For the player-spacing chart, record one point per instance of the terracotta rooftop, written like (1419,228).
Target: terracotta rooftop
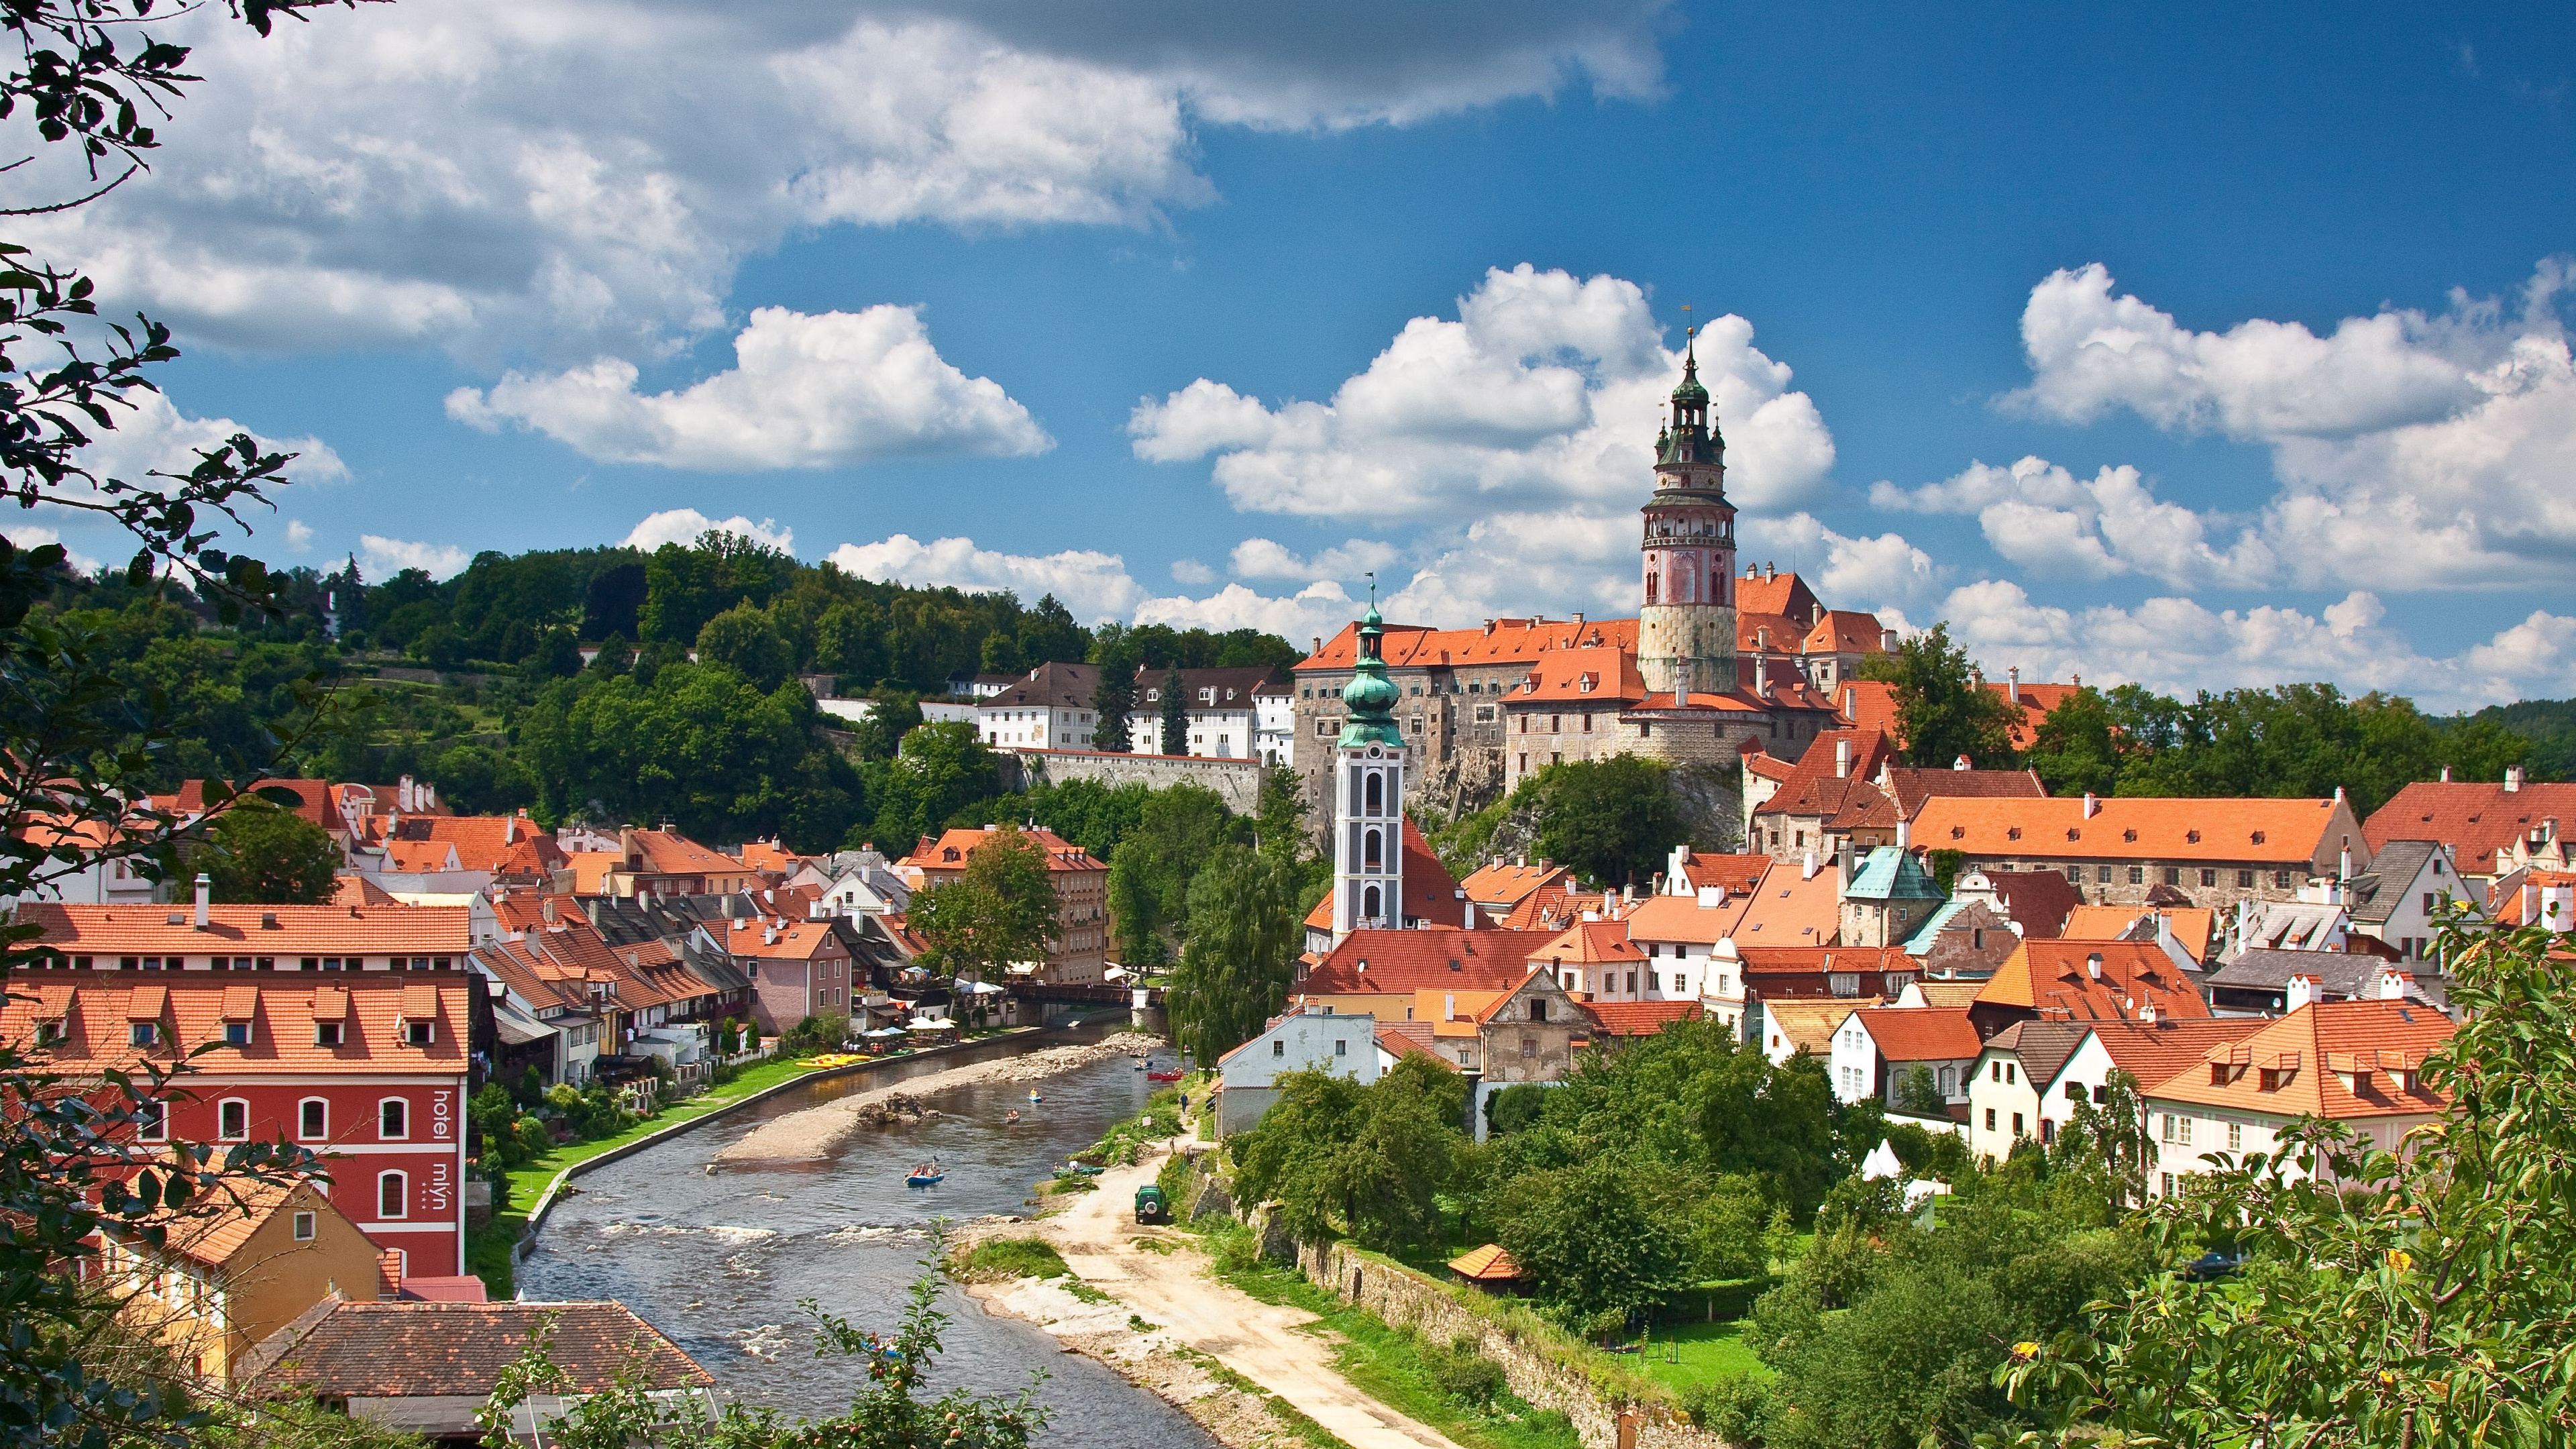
(166,931)
(2153,1053)
(1488,1264)
(1601,677)
(1789,911)
(1504,884)
(2287,833)
(442,1350)
(1738,873)
(1590,943)
(1430,893)
(1911,786)
(1640,1018)
(1501,641)
(950,850)
(1790,1027)
(1395,961)
(2474,818)
(2337,1059)
(93,1012)
(2056,979)
(1921,1033)
(1683,920)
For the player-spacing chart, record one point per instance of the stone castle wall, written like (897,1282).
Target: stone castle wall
(1406,1299)
(1237,782)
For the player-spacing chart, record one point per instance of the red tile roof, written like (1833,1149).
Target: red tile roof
(334,930)
(1845,632)
(1788,911)
(1911,786)
(1502,641)
(1640,1018)
(1737,873)
(1402,962)
(950,851)
(1815,787)
(483,842)
(2290,832)
(1683,920)
(2055,979)
(1488,1264)
(1867,704)
(2474,818)
(1603,677)
(1921,1033)
(2038,901)
(1756,593)
(407,1350)
(2337,1059)
(1505,884)
(312,799)
(1590,943)
(192,1009)
(1430,893)
(2154,1053)
(1410,1039)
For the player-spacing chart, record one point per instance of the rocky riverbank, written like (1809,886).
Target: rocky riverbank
(1236,1412)
(812,1133)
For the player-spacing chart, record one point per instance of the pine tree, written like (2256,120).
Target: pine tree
(1176,714)
(1112,701)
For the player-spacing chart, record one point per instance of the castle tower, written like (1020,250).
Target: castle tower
(1686,625)
(1368,796)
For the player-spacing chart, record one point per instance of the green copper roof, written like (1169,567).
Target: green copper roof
(1690,390)
(1370,695)
(1889,873)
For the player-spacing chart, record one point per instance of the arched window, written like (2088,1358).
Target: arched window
(393,1119)
(1651,583)
(1376,793)
(232,1120)
(1369,851)
(313,1119)
(393,1195)
(1371,905)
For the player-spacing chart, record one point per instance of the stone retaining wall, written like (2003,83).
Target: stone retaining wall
(1405,1299)
(1237,782)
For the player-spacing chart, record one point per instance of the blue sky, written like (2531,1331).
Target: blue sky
(2205,353)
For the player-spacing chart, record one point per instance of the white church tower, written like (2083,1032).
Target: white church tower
(1368,796)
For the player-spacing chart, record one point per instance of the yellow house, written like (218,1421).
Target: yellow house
(223,1281)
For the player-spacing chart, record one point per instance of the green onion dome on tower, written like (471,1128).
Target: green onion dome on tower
(1370,696)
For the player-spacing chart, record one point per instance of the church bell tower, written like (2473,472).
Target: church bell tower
(1686,624)
(1368,796)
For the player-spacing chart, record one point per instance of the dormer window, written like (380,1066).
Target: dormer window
(49,1033)
(419,1033)
(326,1033)
(237,1033)
(142,1033)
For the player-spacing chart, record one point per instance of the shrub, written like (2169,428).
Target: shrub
(1731,1407)
(1010,1258)
(1462,1373)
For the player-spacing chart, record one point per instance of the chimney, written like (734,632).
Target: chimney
(2512,779)
(2075,681)
(2338,794)
(2343,867)
(1842,758)
(1762,640)
(2393,984)
(1449,1006)
(2092,805)
(1578,620)
(2093,965)
(2012,684)
(509,830)
(2146,1013)
(1887,640)
(1807,868)
(1711,897)
(1770,570)
(205,897)
(1319,645)
(2446,774)
(1963,763)
(1905,835)
(546,909)
(403,796)
(2302,992)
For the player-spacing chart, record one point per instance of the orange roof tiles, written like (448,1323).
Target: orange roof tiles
(2153,1053)
(1911,787)
(2336,1059)
(2193,926)
(1788,594)
(1737,873)
(1590,943)
(193,1006)
(482,842)
(420,857)
(1683,920)
(1788,911)
(1602,676)
(1550,906)
(2474,818)
(1823,782)
(1409,1039)
(349,888)
(950,850)
(334,930)
(1503,641)
(799,941)
(667,852)
(1409,961)
(1504,884)
(1843,631)
(1488,1264)
(312,799)
(1640,1018)
(2056,980)
(1430,893)
(1921,1033)
(1867,704)
(2289,832)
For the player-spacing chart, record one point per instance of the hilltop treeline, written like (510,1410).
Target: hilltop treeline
(729,746)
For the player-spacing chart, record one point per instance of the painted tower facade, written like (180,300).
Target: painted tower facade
(1368,796)
(1686,626)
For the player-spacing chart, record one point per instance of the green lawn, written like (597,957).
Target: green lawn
(487,1253)
(1684,1354)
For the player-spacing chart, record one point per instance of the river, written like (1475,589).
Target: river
(719,1261)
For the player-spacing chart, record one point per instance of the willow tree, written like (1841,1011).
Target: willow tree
(1240,954)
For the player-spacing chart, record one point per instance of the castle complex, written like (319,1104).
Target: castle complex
(1715,665)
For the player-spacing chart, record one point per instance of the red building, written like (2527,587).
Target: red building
(363,1062)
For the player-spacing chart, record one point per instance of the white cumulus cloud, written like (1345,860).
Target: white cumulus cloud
(384,557)
(299,536)
(1261,558)
(1092,584)
(492,175)
(2041,516)
(807,391)
(1547,391)
(684,526)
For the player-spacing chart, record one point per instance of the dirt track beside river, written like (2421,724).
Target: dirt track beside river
(812,1133)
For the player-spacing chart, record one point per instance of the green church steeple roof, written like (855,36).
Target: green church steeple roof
(1370,696)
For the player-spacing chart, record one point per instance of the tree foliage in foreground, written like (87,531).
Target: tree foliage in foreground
(1000,909)
(266,855)
(1235,969)
(2423,1299)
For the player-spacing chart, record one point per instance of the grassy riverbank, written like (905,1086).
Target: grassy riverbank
(488,1251)
(1459,1394)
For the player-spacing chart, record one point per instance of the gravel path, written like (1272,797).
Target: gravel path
(813,1133)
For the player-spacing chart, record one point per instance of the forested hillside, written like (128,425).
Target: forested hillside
(477,683)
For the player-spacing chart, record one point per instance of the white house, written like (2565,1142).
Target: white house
(854,883)
(1689,941)
(1274,723)
(1877,1048)
(2402,900)
(1313,1038)
(1049,710)
(2358,1063)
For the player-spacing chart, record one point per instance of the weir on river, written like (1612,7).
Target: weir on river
(718,1261)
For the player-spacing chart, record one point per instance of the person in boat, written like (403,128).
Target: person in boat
(1014,1115)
